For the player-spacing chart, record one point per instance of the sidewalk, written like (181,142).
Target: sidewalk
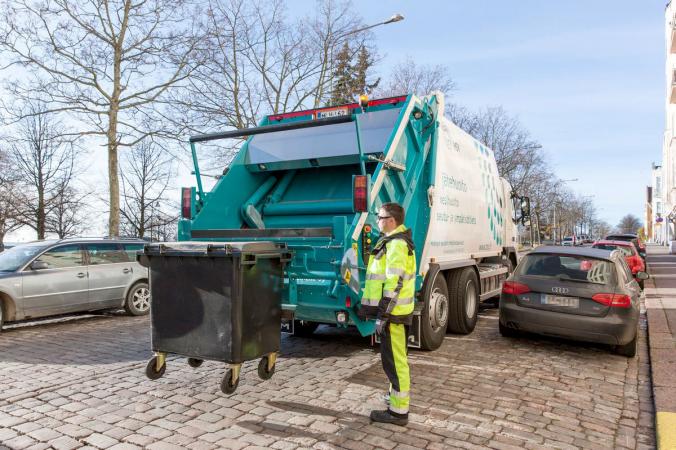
(660,303)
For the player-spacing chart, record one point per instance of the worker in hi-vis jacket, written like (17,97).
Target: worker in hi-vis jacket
(388,294)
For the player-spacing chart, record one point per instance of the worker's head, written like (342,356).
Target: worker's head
(390,216)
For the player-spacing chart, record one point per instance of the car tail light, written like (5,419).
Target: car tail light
(514,288)
(613,300)
(360,193)
(186,203)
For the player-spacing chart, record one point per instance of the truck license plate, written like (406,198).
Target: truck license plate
(335,112)
(555,300)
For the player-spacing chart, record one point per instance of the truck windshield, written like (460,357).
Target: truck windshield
(15,257)
(324,141)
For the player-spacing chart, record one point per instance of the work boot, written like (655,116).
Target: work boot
(388,416)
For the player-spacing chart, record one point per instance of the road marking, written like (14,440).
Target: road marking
(666,430)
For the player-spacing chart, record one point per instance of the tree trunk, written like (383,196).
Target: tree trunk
(114,215)
(40,222)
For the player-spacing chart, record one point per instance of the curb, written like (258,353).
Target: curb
(662,363)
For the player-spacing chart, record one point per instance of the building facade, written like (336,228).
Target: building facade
(666,191)
(655,220)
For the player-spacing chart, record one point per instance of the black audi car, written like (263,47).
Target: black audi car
(578,293)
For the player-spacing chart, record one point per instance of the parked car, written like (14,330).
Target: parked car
(568,241)
(583,294)
(638,242)
(630,253)
(46,278)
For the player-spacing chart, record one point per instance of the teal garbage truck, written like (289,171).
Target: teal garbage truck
(314,180)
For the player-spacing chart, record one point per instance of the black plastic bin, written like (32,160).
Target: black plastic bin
(217,301)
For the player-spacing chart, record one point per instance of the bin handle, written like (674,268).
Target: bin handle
(252,258)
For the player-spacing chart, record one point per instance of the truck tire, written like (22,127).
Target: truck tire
(463,289)
(434,315)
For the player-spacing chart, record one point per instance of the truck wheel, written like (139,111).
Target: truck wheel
(463,300)
(434,315)
(138,300)
(303,328)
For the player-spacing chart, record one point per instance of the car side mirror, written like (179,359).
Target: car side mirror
(39,265)
(642,275)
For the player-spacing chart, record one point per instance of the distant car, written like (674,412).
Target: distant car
(630,253)
(638,242)
(46,278)
(583,294)
(568,241)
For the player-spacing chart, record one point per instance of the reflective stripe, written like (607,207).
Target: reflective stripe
(370,301)
(393,271)
(399,394)
(398,410)
(376,276)
(380,253)
(400,301)
(409,276)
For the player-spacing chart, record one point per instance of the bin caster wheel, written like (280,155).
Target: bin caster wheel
(194,362)
(263,369)
(151,369)
(227,385)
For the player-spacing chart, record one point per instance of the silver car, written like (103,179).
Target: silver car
(46,278)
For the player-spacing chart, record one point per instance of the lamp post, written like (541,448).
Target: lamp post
(555,203)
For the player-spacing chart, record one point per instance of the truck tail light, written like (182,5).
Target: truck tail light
(186,203)
(348,302)
(613,300)
(360,193)
(514,288)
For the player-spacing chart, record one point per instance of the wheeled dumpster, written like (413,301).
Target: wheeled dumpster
(218,301)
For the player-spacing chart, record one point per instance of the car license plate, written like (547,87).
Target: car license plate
(555,300)
(335,112)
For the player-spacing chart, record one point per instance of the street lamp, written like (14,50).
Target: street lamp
(394,18)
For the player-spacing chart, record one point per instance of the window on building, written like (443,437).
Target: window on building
(658,187)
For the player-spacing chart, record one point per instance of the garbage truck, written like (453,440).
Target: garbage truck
(314,180)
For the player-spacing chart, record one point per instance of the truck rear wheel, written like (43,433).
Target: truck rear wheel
(463,289)
(434,315)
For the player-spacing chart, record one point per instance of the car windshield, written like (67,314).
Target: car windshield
(567,267)
(568,239)
(625,250)
(15,257)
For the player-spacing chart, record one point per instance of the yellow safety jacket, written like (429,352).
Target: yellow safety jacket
(390,276)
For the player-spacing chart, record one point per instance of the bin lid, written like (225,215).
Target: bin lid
(211,248)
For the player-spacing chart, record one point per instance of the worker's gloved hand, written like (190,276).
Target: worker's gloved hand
(380,326)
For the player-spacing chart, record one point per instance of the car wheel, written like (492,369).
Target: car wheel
(505,331)
(463,290)
(628,349)
(434,315)
(138,300)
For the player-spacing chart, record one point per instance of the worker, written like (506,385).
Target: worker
(388,294)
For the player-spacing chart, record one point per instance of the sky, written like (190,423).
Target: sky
(585,78)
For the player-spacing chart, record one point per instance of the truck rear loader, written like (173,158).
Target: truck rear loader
(314,181)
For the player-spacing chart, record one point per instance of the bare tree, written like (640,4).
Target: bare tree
(10,199)
(104,62)
(44,162)
(147,173)
(629,224)
(259,62)
(409,77)
(66,218)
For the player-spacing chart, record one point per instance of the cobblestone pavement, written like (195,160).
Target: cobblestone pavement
(81,384)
